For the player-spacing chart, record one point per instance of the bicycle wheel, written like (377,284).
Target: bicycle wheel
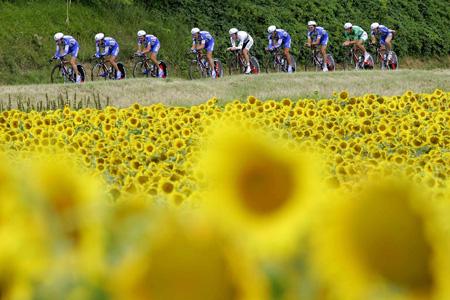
(122,70)
(293,63)
(233,67)
(163,66)
(254,65)
(196,71)
(368,63)
(140,70)
(218,67)
(330,63)
(392,63)
(57,75)
(309,64)
(99,72)
(349,63)
(82,72)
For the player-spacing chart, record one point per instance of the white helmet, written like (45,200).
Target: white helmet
(233,31)
(348,25)
(374,26)
(141,33)
(271,29)
(195,30)
(58,36)
(312,23)
(99,36)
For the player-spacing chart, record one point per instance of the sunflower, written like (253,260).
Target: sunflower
(189,260)
(257,186)
(384,240)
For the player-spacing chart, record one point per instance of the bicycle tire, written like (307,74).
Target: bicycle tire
(56,76)
(331,65)
(254,65)
(232,65)
(96,70)
(140,70)
(392,63)
(195,71)
(369,63)
(164,68)
(293,63)
(218,68)
(122,70)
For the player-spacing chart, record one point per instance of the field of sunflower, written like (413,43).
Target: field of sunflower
(341,198)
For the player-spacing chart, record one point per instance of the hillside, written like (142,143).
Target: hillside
(28,27)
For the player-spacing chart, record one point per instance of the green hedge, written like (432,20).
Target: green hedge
(28,27)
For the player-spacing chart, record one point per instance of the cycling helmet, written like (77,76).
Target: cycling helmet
(99,36)
(141,33)
(348,25)
(312,23)
(271,29)
(233,31)
(58,36)
(374,26)
(195,30)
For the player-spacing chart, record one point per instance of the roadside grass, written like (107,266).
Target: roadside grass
(264,86)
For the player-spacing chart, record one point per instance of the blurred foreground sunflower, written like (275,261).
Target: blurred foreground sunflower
(386,240)
(257,187)
(188,260)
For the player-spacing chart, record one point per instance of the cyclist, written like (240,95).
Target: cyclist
(245,43)
(110,48)
(67,45)
(356,36)
(385,35)
(280,38)
(204,40)
(148,43)
(318,36)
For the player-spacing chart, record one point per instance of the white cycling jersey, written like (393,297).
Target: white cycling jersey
(243,38)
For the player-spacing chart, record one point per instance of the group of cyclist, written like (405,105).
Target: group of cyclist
(148,44)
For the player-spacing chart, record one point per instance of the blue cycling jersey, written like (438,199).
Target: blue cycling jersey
(318,33)
(150,39)
(281,36)
(108,45)
(70,45)
(383,31)
(204,37)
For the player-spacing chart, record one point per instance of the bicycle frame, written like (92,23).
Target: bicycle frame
(105,66)
(62,63)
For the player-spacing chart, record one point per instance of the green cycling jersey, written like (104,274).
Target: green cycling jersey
(356,33)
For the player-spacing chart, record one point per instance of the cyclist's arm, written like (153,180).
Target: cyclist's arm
(147,50)
(57,51)
(373,38)
(270,46)
(309,41)
(317,41)
(105,51)
(66,51)
(201,45)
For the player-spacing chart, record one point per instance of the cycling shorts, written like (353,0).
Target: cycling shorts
(73,51)
(248,43)
(155,47)
(209,45)
(286,42)
(324,39)
(114,51)
(383,38)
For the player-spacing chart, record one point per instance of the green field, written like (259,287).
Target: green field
(264,86)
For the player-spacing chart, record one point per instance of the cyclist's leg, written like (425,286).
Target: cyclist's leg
(323,51)
(209,47)
(113,53)
(73,59)
(360,43)
(246,50)
(153,57)
(383,46)
(287,48)
(388,42)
